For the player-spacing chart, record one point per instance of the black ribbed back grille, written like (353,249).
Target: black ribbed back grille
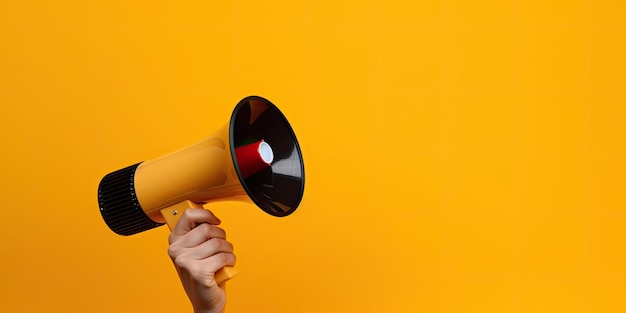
(119,206)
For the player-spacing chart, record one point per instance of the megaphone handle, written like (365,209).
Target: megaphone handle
(173,213)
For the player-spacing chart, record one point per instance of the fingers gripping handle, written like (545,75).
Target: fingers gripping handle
(173,213)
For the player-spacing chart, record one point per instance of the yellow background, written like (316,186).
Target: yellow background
(461,156)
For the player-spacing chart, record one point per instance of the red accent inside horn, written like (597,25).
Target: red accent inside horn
(249,159)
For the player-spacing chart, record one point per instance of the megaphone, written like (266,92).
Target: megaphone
(253,158)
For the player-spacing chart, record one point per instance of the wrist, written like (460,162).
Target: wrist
(218,309)
(208,311)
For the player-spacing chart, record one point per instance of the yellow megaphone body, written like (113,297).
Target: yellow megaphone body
(254,158)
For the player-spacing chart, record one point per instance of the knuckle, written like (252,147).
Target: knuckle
(227,258)
(172,251)
(223,258)
(188,213)
(217,232)
(172,238)
(214,244)
(211,231)
(206,228)
(225,246)
(181,262)
(222,232)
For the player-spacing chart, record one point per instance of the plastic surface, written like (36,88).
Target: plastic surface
(209,170)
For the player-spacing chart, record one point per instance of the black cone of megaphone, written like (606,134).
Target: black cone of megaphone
(134,199)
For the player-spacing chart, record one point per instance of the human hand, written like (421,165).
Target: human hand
(198,248)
